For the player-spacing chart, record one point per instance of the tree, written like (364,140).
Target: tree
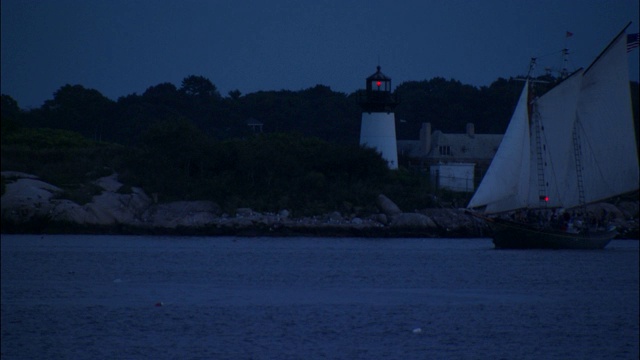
(161,92)
(10,114)
(235,94)
(76,108)
(199,87)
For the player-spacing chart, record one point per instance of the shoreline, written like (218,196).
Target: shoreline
(320,230)
(31,206)
(236,229)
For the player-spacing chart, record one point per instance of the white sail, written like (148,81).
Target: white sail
(506,183)
(556,112)
(605,121)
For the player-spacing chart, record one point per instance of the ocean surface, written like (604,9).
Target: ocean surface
(148,297)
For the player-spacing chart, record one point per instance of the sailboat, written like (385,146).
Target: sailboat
(573,146)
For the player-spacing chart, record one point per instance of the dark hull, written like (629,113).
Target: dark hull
(511,235)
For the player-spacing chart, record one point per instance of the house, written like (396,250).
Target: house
(467,155)
(255,125)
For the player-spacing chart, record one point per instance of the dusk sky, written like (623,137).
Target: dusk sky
(120,47)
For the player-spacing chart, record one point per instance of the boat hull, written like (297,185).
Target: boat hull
(510,235)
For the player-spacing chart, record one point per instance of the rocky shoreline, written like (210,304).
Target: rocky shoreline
(30,205)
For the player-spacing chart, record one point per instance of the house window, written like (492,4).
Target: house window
(444,149)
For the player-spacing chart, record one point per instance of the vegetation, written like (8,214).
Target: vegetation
(191,143)
(267,172)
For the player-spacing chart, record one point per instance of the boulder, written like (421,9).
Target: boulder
(244,212)
(284,214)
(109,183)
(605,209)
(630,209)
(387,206)
(68,211)
(107,208)
(26,198)
(380,218)
(335,217)
(412,220)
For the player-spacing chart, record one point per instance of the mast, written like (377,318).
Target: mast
(577,153)
(534,118)
(565,60)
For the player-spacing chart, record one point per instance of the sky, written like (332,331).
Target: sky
(121,47)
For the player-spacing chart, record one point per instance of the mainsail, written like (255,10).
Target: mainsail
(577,146)
(556,111)
(605,121)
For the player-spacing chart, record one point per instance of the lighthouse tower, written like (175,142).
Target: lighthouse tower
(378,128)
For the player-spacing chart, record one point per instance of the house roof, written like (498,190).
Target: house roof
(253,122)
(378,75)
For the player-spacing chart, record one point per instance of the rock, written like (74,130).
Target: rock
(412,220)
(107,209)
(380,218)
(244,212)
(630,209)
(26,198)
(284,214)
(17,174)
(456,221)
(109,183)
(182,213)
(605,208)
(335,217)
(387,206)
(67,211)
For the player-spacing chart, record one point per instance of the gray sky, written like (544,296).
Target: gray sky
(121,47)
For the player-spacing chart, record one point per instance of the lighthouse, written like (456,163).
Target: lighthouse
(378,127)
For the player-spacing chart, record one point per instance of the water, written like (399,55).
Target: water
(126,297)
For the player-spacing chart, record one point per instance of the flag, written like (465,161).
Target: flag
(632,41)
(569,34)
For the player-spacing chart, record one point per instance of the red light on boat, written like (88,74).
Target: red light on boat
(544,198)
(379,83)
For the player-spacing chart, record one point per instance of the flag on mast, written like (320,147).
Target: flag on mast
(632,41)
(569,34)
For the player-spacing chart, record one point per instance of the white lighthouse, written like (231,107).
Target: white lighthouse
(378,128)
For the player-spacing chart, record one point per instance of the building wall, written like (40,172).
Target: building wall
(378,131)
(454,176)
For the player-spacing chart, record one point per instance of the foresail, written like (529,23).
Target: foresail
(506,182)
(605,124)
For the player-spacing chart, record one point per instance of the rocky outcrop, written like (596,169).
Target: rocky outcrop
(28,201)
(27,198)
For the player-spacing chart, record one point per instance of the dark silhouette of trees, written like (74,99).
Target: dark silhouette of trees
(11,113)
(199,87)
(79,109)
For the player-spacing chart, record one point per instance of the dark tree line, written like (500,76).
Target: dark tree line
(317,112)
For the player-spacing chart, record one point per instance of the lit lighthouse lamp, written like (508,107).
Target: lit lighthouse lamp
(378,126)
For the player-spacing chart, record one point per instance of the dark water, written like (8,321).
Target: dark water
(94,297)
